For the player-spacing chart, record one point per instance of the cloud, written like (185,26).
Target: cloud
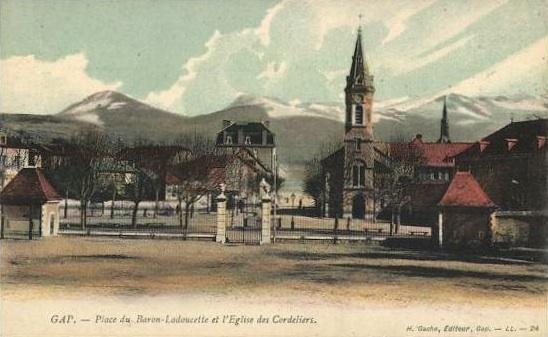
(30,85)
(397,24)
(168,99)
(301,50)
(263,31)
(418,62)
(523,71)
(452,24)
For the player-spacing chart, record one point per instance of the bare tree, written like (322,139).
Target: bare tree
(79,165)
(195,179)
(197,175)
(404,159)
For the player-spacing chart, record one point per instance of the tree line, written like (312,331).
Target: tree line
(94,167)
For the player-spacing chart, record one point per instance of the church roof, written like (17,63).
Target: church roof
(28,186)
(465,191)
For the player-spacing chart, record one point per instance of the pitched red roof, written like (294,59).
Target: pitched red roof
(28,186)
(440,154)
(464,190)
(430,154)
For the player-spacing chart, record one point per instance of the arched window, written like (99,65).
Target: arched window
(358,174)
(359,115)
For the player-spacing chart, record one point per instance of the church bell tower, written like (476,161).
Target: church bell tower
(359,148)
(359,93)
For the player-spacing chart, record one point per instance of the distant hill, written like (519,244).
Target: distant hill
(301,128)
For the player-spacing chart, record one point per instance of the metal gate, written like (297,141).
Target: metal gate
(244,224)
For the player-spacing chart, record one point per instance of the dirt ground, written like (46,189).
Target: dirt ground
(341,273)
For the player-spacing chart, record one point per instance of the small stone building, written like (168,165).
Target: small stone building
(465,213)
(29,206)
(459,212)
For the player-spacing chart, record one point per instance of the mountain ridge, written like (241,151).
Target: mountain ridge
(301,128)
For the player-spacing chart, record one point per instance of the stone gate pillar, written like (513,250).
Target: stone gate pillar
(266,218)
(221,217)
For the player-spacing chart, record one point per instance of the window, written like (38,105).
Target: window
(32,159)
(247,140)
(358,174)
(359,114)
(358,144)
(17,160)
(3,139)
(228,140)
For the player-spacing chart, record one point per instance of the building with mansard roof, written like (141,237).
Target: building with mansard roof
(511,165)
(254,136)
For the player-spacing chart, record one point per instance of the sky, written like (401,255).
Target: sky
(194,57)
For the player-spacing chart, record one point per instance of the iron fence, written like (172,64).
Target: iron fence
(306,221)
(244,224)
(148,219)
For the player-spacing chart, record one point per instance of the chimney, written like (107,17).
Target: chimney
(510,143)
(226,123)
(483,144)
(266,124)
(541,140)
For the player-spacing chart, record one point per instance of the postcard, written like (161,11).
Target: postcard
(273,168)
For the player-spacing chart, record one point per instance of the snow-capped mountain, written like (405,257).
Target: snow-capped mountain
(277,108)
(399,109)
(300,127)
(103,106)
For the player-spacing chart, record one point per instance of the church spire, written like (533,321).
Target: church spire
(359,72)
(444,128)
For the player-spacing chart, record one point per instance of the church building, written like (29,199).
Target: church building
(349,171)
(355,175)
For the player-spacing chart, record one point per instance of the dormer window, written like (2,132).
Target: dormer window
(228,140)
(247,140)
(510,143)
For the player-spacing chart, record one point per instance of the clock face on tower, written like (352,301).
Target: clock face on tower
(358,98)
